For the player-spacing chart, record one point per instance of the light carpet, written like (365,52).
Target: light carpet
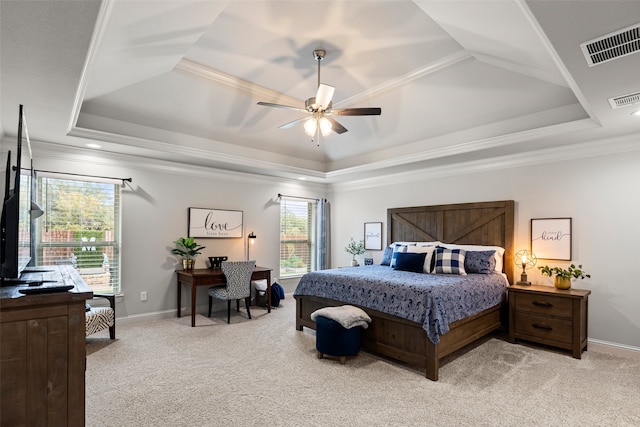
(264,372)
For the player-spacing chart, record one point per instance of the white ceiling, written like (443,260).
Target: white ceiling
(179,80)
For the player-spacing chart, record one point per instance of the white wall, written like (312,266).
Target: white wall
(600,194)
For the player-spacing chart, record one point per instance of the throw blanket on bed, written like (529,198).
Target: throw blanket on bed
(347,315)
(433,300)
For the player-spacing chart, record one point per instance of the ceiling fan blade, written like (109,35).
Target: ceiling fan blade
(335,126)
(366,111)
(287,107)
(293,123)
(324,96)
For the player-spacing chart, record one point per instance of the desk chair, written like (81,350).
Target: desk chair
(99,318)
(238,277)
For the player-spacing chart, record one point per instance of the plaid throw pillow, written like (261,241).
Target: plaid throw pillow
(450,261)
(397,248)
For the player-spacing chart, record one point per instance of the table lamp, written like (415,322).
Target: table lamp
(525,259)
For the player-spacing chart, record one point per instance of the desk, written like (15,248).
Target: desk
(214,277)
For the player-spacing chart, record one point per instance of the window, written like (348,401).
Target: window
(81,227)
(298,230)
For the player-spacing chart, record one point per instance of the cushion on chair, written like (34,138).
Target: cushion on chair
(99,318)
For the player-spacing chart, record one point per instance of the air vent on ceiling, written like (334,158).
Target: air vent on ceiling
(624,100)
(612,46)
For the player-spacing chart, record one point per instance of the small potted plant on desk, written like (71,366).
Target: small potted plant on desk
(187,248)
(564,275)
(355,248)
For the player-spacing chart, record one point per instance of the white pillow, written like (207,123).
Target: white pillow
(429,250)
(499,255)
(260,285)
(402,243)
(434,243)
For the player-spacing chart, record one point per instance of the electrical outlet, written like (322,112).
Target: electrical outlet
(143,296)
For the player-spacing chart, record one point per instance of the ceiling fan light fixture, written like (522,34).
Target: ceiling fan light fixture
(325,126)
(310,126)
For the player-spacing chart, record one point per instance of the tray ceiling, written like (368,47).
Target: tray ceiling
(456,81)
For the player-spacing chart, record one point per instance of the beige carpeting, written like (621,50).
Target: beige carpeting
(264,372)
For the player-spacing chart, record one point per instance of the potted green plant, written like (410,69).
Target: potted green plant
(564,275)
(355,248)
(187,248)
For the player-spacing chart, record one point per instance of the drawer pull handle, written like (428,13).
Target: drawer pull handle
(544,327)
(542,304)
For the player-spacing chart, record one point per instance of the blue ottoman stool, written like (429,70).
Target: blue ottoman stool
(334,340)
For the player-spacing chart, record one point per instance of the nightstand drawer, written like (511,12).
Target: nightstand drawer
(544,304)
(543,328)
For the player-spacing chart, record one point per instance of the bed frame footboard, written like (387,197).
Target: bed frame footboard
(404,340)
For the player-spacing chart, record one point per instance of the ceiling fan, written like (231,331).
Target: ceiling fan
(318,109)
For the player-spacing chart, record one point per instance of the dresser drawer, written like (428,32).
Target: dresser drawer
(543,328)
(544,304)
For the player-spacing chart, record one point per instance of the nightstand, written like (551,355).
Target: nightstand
(550,316)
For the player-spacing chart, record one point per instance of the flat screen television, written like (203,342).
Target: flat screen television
(15,223)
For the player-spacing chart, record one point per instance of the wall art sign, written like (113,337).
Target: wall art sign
(373,236)
(551,238)
(215,223)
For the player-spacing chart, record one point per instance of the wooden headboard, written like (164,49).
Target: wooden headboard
(484,223)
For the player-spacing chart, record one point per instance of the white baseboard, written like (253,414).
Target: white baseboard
(147,317)
(165,314)
(615,349)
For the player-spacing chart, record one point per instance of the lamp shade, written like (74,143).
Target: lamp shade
(310,126)
(525,259)
(251,238)
(325,126)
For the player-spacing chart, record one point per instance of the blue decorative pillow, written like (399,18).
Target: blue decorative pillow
(482,262)
(397,248)
(450,261)
(409,261)
(386,256)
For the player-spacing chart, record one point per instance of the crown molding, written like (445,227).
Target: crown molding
(465,147)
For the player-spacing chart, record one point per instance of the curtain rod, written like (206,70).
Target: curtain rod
(296,197)
(86,176)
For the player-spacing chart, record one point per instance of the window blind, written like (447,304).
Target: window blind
(81,227)
(298,225)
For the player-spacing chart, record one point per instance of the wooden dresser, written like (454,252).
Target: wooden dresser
(550,316)
(43,355)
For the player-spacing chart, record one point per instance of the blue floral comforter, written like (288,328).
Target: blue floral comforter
(433,300)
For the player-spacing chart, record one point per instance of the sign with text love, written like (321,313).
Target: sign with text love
(215,223)
(551,238)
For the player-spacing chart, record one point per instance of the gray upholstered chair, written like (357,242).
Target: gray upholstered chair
(238,277)
(99,318)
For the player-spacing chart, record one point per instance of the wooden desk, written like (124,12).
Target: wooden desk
(214,277)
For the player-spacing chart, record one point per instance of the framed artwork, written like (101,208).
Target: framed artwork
(215,223)
(551,238)
(373,236)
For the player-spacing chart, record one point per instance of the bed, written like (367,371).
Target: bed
(407,339)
